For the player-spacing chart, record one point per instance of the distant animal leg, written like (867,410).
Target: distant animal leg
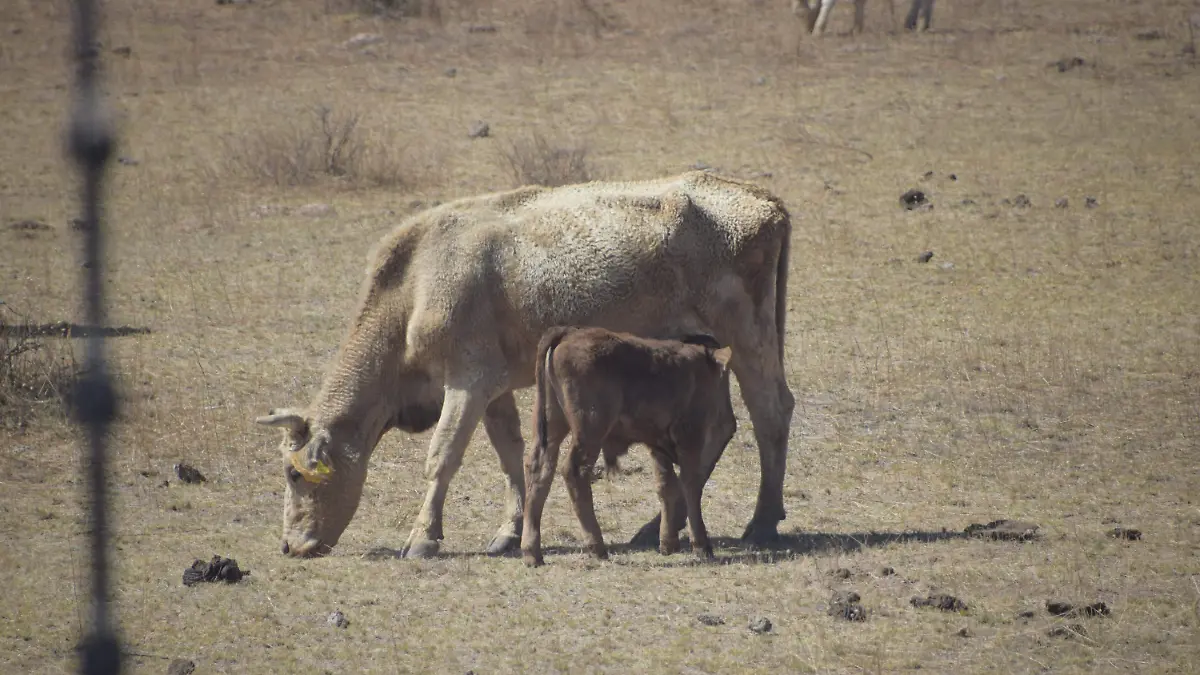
(503,426)
(823,16)
(582,458)
(461,412)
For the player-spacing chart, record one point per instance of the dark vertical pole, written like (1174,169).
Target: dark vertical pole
(90,141)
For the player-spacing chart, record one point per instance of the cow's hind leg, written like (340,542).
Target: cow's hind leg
(503,426)
(461,413)
(579,486)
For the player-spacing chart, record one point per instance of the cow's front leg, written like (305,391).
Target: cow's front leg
(461,412)
(503,426)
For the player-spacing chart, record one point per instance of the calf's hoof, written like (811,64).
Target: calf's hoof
(503,543)
(760,534)
(704,552)
(421,547)
(599,551)
(668,547)
(533,559)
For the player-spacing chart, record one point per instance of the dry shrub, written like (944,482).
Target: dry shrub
(37,374)
(321,145)
(536,160)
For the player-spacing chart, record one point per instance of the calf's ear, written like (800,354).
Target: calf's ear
(722,356)
(290,420)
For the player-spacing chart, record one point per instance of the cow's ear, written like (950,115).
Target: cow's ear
(722,357)
(291,421)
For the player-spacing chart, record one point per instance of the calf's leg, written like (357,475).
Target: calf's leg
(540,463)
(580,460)
(693,480)
(673,508)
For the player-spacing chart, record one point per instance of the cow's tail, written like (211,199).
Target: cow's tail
(543,388)
(781,279)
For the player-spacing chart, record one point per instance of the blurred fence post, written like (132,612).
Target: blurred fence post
(90,142)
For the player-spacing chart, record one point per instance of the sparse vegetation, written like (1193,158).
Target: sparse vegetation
(1042,365)
(538,160)
(36,373)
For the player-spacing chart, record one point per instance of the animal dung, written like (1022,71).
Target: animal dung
(845,605)
(946,603)
(1004,530)
(217,569)
(913,199)
(189,474)
(760,625)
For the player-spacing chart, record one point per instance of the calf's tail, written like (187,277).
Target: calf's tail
(542,372)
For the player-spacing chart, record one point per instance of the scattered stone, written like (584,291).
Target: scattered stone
(479,129)
(123,51)
(28,225)
(1004,530)
(1125,533)
(1066,609)
(1064,65)
(887,571)
(845,605)
(946,603)
(760,80)
(760,625)
(481,28)
(316,210)
(964,633)
(217,569)
(840,573)
(710,620)
(189,474)
(1025,614)
(127,161)
(337,619)
(181,667)
(1148,35)
(362,40)
(1074,630)
(1090,202)
(450,72)
(1061,203)
(913,199)
(947,265)
(953,176)
(701,166)
(1021,202)
(925,257)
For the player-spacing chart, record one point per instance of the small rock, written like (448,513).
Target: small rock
(481,28)
(189,474)
(912,199)
(1021,202)
(1026,614)
(362,40)
(762,79)
(1064,65)
(337,619)
(1004,530)
(840,573)
(845,605)
(450,72)
(968,202)
(1061,203)
(946,603)
(925,257)
(947,266)
(963,632)
(1074,630)
(316,210)
(1125,533)
(953,176)
(887,571)
(479,129)
(760,625)
(1090,202)
(710,620)
(1148,35)
(127,161)
(700,166)
(123,51)
(181,667)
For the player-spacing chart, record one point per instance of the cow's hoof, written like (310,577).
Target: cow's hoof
(599,551)
(669,547)
(422,548)
(503,543)
(760,534)
(647,536)
(533,559)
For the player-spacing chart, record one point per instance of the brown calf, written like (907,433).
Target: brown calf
(611,390)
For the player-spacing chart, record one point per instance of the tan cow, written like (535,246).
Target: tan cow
(611,390)
(457,297)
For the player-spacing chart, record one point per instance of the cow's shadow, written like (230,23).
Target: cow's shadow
(729,550)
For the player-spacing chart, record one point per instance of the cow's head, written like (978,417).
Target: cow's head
(325,465)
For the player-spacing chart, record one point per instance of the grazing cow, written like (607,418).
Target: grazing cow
(816,13)
(611,390)
(457,297)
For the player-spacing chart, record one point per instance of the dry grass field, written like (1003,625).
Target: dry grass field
(1044,365)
